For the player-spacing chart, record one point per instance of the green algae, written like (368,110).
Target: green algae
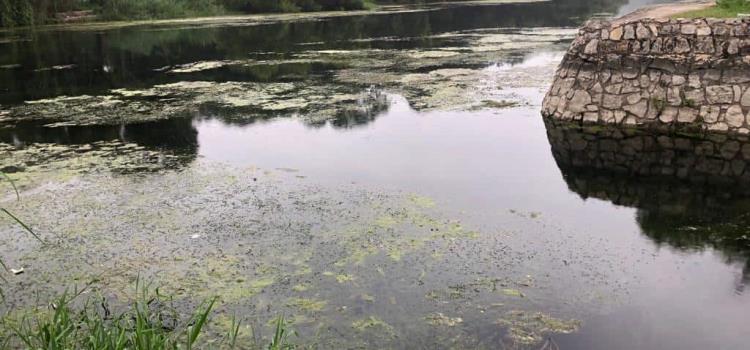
(373,322)
(422,201)
(513,292)
(231,100)
(428,79)
(300,287)
(438,319)
(343,278)
(529,328)
(308,305)
(257,270)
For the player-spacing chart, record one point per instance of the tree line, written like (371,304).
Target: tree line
(30,12)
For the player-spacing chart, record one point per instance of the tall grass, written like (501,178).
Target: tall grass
(149,323)
(146,325)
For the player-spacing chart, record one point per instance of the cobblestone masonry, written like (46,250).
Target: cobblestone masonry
(661,73)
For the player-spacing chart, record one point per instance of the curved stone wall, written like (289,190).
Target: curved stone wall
(668,74)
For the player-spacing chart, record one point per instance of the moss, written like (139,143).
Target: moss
(343,278)
(513,292)
(372,322)
(529,328)
(421,201)
(438,319)
(309,305)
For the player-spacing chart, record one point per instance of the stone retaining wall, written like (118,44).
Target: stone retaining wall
(714,159)
(668,74)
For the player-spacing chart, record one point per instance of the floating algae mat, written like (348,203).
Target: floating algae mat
(275,244)
(381,179)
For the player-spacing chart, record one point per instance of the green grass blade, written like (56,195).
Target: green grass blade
(200,321)
(27,228)
(12,183)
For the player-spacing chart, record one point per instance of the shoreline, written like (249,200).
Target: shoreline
(664,10)
(257,18)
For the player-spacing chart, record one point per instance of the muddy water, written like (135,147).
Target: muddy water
(385,181)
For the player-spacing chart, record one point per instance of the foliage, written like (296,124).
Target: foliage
(151,9)
(147,324)
(150,322)
(15,13)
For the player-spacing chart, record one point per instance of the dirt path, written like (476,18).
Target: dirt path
(666,10)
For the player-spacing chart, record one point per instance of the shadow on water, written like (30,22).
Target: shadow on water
(691,192)
(177,134)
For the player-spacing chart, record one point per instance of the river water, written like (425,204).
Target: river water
(384,180)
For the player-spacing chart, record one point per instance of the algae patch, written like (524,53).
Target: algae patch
(529,328)
(438,319)
(309,305)
(372,322)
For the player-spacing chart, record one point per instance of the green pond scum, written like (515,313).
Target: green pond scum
(370,180)
(333,271)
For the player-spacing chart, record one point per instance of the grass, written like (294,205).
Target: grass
(722,9)
(148,323)
(141,327)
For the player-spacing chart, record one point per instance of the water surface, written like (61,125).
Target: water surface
(384,180)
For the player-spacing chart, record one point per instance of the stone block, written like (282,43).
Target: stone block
(688,29)
(578,102)
(638,109)
(710,114)
(734,116)
(717,94)
(687,115)
(615,34)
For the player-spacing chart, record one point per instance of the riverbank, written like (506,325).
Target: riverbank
(259,18)
(666,10)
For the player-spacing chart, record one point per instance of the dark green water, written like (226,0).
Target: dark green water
(385,180)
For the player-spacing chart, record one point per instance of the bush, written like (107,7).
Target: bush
(16,13)
(155,9)
(27,12)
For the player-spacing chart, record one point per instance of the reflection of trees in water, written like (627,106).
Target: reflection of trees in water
(176,135)
(127,57)
(691,193)
(371,104)
(374,104)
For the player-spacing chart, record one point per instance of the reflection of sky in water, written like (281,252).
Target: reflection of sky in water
(486,163)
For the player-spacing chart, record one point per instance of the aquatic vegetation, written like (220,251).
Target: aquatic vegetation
(373,322)
(281,336)
(199,66)
(233,101)
(438,319)
(143,326)
(513,292)
(422,201)
(343,278)
(300,287)
(309,305)
(35,162)
(530,327)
